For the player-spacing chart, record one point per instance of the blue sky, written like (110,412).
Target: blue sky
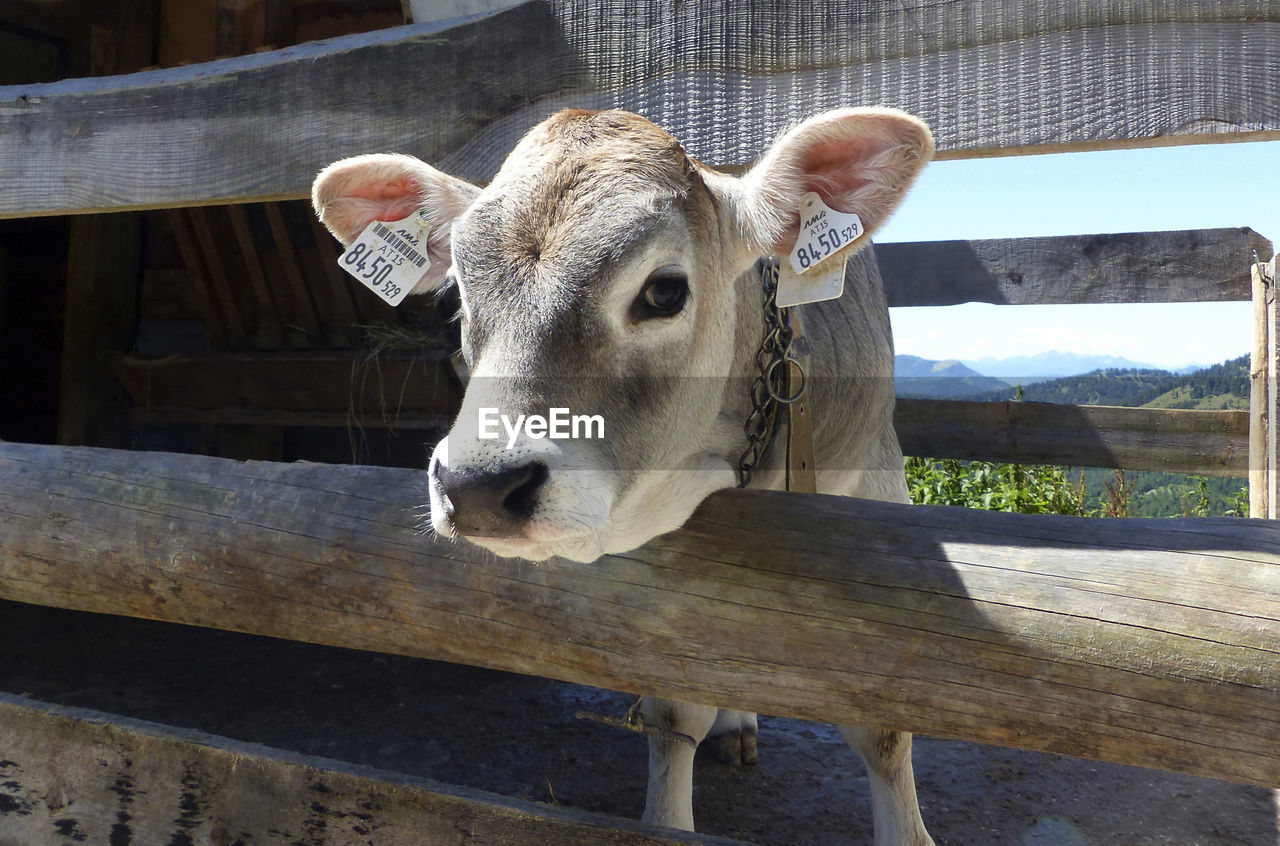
(1197,187)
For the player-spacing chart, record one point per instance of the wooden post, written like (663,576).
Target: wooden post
(100,312)
(1264,362)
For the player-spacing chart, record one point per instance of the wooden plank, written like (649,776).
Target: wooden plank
(241,26)
(1264,489)
(1273,392)
(335,280)
(219,283)
(180,223)
(1149,642)
(1212,443)
(101,308)
(188,31)
(73,775)
(269,331)
(1140,267)
(307,389)
(259,127)
(723,78)
(302,292)
(1259,417)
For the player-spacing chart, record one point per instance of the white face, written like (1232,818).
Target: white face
(614,324)
(599,279)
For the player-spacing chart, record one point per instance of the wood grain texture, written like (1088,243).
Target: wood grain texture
(72,775)
(1140,267)
(1149,642)
(1264,362)
(1213,443)
(262,126)
(991,78)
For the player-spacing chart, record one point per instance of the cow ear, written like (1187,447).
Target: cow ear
(350,194)
(859,161)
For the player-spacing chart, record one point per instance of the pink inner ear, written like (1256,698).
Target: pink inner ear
(832,169)
(394,199)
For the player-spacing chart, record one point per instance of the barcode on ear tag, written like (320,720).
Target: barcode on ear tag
(825,283)
(389,257)
(824,232)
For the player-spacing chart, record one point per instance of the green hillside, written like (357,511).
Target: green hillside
(1098,491)
(1223,385)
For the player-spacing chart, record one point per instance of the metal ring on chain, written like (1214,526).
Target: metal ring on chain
(769,381)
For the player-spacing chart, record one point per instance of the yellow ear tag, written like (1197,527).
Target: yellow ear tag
(390,257)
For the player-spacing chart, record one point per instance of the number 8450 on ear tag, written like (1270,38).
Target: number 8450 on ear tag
(824,234)
(389,257)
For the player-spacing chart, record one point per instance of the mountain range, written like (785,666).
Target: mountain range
(922,377)
(1050,365)
(1223,385)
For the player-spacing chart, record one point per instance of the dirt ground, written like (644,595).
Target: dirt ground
(518,736)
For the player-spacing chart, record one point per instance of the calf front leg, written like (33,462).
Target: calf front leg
(669,800)
(895,811)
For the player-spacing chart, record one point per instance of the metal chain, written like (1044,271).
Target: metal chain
(769,390)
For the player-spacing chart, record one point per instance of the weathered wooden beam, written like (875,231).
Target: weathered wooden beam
(1213,443)
(1140,267)
(1149,642)
(723,78)
(1264,368)
(316,389)
(259,127)
(269,331)
(71,775)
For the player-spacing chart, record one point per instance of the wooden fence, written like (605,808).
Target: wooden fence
(1152,643)
(1146,642)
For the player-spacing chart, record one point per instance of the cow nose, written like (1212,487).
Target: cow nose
(491,502)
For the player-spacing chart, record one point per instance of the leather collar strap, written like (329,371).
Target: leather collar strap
(801,472)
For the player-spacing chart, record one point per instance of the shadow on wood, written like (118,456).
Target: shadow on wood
(1150,642)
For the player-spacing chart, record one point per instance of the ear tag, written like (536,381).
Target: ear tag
(824,283)
(390,257)
(823,233)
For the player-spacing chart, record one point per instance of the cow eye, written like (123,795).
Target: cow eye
(664,295)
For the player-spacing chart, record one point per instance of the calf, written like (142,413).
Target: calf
(605,272)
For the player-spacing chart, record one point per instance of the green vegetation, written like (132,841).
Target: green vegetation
(995,487)
(1079,492)
(1096,492)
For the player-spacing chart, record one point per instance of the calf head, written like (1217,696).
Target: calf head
(605,273)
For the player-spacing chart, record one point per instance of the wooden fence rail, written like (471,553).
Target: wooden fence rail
(723,78)
(1154,643)
(1194,265)
(1211,443)
(71,775)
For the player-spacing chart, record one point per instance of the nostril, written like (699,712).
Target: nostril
(522,496)
(492,502)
